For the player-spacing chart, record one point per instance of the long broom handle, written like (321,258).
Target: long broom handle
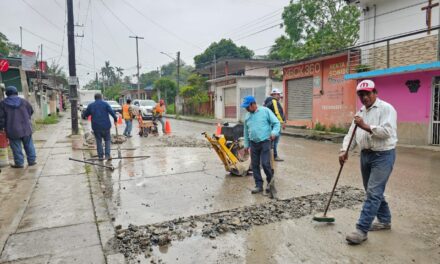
(93,163)
(339,173)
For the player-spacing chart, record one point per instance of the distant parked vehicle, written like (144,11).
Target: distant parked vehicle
(144,108)
(115,106)
(83,106)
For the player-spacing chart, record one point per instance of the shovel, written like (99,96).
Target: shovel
(272,190)
(119,145)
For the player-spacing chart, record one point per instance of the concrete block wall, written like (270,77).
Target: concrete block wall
(415,51)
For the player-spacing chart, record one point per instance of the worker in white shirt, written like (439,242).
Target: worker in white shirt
(376,136)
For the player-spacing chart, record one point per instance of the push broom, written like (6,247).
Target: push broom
(329,218)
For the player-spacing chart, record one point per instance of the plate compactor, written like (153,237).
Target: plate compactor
(229,146)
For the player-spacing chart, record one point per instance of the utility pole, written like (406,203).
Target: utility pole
(137,57)
(178,81)
(96,81)
(158,90)
(21,38)
(73,80)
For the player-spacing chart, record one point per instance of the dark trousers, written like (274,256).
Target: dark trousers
(99,136)
(261,152)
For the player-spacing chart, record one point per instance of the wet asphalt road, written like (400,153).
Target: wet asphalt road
(178,181)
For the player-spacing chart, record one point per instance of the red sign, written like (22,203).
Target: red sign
(4,65)
(302,70)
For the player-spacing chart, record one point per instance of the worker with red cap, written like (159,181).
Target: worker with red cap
(377,138)
(159,111)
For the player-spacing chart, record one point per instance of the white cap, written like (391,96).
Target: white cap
(275,91)
(366,85)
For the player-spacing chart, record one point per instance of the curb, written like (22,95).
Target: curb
(332,137)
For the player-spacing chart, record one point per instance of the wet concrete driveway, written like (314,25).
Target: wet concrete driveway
(184,178)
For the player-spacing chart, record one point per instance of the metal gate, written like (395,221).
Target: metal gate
(300,99)
(230,102)
(258,92)
(436,112)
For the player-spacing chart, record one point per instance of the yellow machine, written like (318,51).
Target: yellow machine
(231,154)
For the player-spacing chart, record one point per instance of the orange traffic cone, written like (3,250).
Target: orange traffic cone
(119,120)
(219,130)
(167,127)
(90,118)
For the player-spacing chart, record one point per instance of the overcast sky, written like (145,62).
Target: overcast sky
(188,26)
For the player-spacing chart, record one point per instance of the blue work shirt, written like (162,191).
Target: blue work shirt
(260,125)
(100,111)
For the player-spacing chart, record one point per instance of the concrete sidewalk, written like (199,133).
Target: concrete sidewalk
(47,214)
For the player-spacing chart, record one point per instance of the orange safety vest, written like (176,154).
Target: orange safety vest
(159,109)
(126,112)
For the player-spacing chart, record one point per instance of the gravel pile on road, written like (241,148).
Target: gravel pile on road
(136,240)
(90,139)
(188,142)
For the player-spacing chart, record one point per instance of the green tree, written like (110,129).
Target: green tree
(167,88)
(56,71)
(148,78)
(4,49)
(316,27)
(113,92)
(8,48)
(119,72)
(225,48)
(195,91)
(108,74)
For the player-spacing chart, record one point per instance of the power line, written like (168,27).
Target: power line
(255,33)
(259,23)
(392,11)
(120,21)
(252,29)
(93,36)
(109,31)
(64,34)
(85,23)
(47,40)
(58,4)
(271,14)
(264,48)
(42,16)
(160,26)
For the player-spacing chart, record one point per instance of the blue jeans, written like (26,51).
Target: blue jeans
(29,148)
(99,135)
(162,122)
(275,146)
(376,168)
(261,151)
(128,127)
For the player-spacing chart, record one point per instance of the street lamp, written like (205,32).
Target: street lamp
(168,55)
(177,61)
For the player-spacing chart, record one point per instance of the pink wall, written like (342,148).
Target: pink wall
(410,107)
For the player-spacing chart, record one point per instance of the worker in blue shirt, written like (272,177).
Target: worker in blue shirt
(101,112)
(261,127)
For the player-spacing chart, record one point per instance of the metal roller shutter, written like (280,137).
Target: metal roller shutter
(244,92)
(300,99)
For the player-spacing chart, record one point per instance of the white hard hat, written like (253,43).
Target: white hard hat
(275,91)
(366,85)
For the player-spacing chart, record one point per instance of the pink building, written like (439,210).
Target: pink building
(401,56)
